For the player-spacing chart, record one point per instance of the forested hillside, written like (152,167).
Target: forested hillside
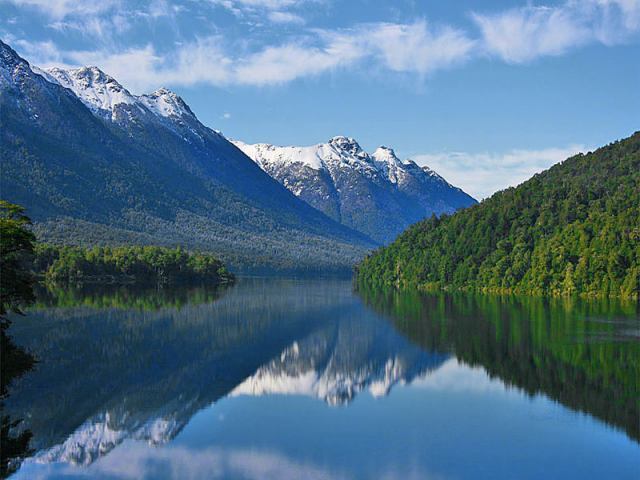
(135,174)
(573,229)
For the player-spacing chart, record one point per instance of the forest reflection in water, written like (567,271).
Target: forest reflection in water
(120,366)
(581,352)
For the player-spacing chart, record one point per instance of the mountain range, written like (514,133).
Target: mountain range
(95,164)
(377,194)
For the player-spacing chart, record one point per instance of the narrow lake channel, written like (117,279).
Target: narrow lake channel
(316,379)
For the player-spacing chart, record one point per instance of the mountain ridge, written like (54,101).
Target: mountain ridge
(130,176)
(377,194)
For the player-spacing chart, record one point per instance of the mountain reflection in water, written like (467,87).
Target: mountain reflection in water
(118,368)
(582,353)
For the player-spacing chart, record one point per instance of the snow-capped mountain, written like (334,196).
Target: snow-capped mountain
(95,164)
(108,99)
(335,366)
(377,194)
(97,90)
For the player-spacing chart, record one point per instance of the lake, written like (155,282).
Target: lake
(311,379)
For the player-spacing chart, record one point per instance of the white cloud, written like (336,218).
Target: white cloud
(135,460)
(284,63)
(62,8)
(105,29)
(520,35)
(416,48)
(523,34)
(402,48)
(268,4)
(286,17)
(483,174)
(614,21)
(516,36)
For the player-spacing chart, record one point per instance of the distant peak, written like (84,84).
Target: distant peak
(92,73)
(166,103)
(161,92)
(386,154)
(97,90)
(382,148)
(346,143)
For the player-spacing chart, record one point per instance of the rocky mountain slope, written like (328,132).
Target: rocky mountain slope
(94,164)
(377,194)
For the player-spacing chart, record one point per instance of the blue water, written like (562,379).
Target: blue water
(285,379)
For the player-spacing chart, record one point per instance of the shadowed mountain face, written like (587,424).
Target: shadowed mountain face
(376,194)
(117,373)
(94,164)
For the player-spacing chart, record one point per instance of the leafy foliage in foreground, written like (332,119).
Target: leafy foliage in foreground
(140,265)
(573,229)
(16,291)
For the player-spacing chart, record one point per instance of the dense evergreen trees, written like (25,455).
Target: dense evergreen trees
(139,265)
(573,229)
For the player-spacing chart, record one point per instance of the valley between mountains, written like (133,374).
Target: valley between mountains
(94,164)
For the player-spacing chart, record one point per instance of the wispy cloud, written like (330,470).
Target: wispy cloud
(59,9)
(286,17)
(415,47)
(483,174)
(282,64)
(268,4)
(401,48)
(422,48)
(523,34)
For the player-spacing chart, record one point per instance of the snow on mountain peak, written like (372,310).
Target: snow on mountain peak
(388,164)
(101,92)
(386,154)
(433,174)
(347,144)
(96,89)
(165,103)
(265,154)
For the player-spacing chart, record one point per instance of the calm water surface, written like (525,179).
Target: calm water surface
(286,379)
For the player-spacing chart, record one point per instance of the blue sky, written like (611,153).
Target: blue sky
(486,93)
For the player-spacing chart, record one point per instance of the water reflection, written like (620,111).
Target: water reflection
(122,365)
(14,436)
(583,353)
(228,383)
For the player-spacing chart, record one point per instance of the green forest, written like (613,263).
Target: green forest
(99,265)
(128,265)
(571,230)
